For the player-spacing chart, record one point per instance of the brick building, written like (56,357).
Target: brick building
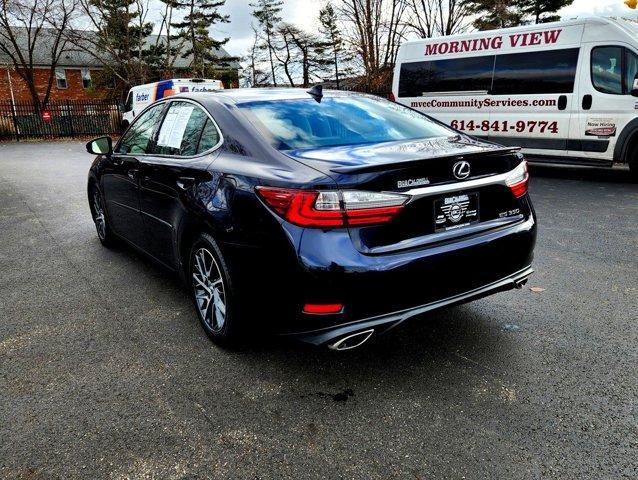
(75,73)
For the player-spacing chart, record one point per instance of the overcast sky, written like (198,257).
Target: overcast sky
(304,13)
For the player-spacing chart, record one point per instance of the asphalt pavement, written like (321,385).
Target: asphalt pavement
(106,373)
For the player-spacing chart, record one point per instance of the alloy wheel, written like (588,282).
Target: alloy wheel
(209,289)
(98,217)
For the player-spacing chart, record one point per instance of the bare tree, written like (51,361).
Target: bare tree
(374,29)
(267,14)
(28,27)
(283,51)
(254,76)
(301,53)
(429,18)
(174,43)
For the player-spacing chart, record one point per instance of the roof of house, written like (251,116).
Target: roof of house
(75,53)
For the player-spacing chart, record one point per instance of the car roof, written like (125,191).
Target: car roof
(242,95)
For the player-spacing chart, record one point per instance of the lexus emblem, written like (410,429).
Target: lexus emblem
(461,169)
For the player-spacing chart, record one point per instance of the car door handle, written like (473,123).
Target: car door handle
(132,173)
(185,182)
(122,160)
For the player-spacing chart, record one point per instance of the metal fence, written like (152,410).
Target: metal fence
(69,118)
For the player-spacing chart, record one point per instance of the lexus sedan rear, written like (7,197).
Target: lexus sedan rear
(324,216)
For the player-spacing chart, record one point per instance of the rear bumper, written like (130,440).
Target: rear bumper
(380,290)
(382,323)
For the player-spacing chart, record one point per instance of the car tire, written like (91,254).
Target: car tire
(98,212)
(212,291)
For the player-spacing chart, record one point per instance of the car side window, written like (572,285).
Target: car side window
(181,130)
(209,138)
(138,137)
(606,69)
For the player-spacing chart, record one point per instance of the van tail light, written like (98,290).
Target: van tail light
(518,180)
(332,208)
(391,97)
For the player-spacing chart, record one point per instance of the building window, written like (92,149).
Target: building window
(86,77)
(60,78)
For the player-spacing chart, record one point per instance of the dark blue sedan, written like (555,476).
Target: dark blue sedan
(325,216)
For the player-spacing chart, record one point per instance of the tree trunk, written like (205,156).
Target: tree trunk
(272,63)
(336,69)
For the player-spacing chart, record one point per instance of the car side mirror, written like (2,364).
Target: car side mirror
(634,87)
(100,146)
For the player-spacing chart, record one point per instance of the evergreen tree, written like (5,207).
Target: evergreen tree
(123,34)
(493,14)
(194,29)
(333,39)
(267,14)
(543,11)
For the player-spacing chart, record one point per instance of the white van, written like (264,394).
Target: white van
(140,96)
(565,92)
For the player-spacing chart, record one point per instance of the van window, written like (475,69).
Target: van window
(631,69)
(550,71)
(449,75)
(606,69)
(128,105)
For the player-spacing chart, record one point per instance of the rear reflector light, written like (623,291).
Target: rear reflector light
(518,180)
(322,308)
(332,208)
(391,97)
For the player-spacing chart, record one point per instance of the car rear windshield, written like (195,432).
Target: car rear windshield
(336,121)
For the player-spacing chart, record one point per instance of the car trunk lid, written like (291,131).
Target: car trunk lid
(410,166)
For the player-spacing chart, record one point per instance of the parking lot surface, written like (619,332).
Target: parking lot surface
(106,373)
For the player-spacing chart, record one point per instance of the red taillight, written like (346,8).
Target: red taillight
(391,97)
(518,180)
(321,209)
(520,189)
(322,308)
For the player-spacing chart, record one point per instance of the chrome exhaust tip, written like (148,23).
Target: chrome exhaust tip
(519,283)
(352,341)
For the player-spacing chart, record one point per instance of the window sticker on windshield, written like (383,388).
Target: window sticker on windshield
(174,125)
